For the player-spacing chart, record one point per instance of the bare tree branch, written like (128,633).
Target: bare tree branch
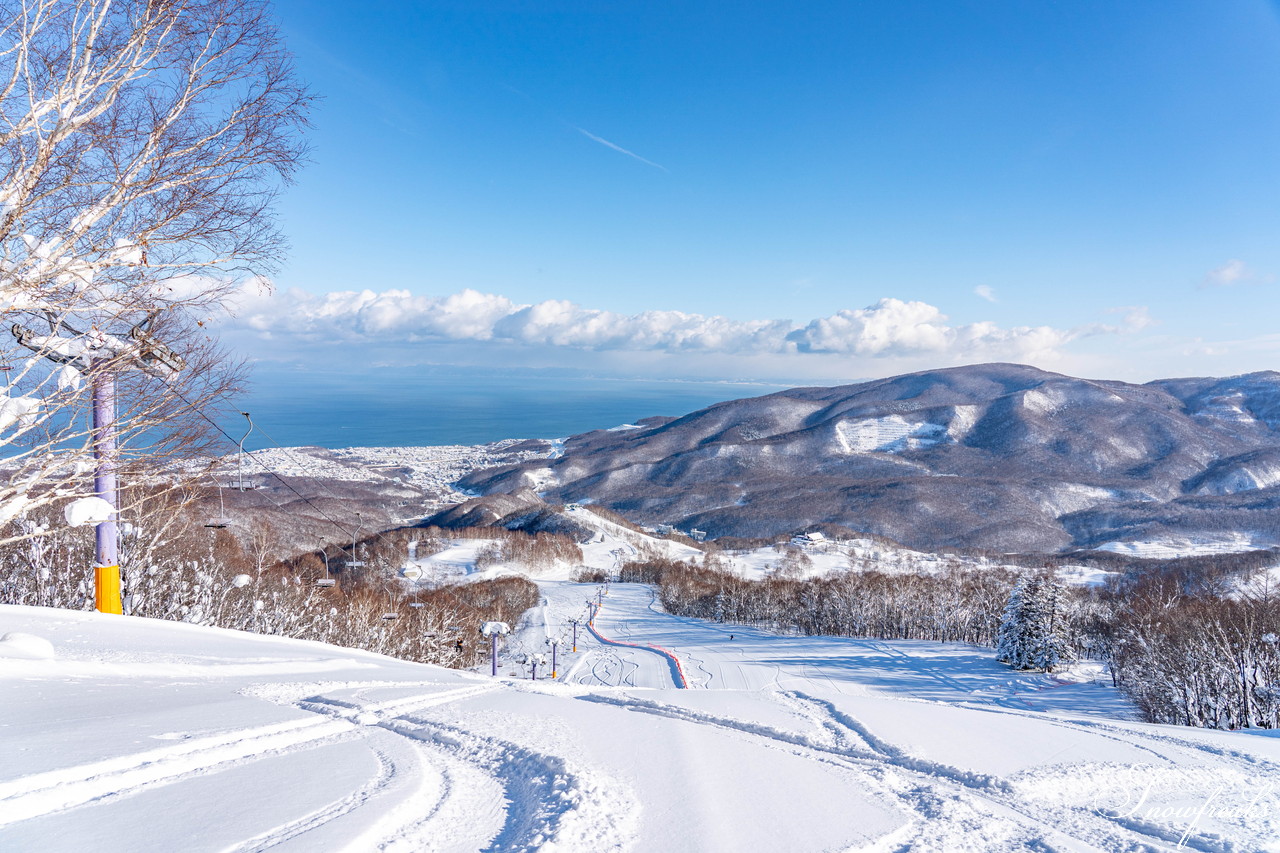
(143,144)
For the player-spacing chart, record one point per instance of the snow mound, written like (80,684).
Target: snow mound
(84,511)
(16,644)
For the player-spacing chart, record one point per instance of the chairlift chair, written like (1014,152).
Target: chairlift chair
(387,617)
(240,486)
(327,580)
(355,563)
(221,521)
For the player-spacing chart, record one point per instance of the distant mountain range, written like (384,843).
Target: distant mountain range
(995,456)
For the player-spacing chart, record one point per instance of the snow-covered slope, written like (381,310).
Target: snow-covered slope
(610,544)
(124,734)
(1000,457)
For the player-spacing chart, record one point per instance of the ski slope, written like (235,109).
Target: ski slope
(124,734)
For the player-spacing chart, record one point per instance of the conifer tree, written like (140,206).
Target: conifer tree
(1034,628)
(1050,639)
(1012,646)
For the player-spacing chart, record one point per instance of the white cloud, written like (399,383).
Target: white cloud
(1134,318)
(986,292)
(890,328)
(1234,271)
(893,328)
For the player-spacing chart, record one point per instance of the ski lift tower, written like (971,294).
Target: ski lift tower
(101,356)
(494,630)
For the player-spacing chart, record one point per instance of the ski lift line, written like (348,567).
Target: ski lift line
(268,470)
(152,350)
(289,486)
(289,453)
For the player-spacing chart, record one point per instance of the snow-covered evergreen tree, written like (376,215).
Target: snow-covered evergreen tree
(1034,628)
(1050,639)
(1012,645)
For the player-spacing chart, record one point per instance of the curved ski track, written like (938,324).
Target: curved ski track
(449,789)
(954,809)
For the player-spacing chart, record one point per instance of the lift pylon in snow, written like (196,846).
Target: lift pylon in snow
(102,356)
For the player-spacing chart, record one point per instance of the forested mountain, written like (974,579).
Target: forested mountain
(998,456)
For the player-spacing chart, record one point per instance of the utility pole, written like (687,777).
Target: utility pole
(102,357)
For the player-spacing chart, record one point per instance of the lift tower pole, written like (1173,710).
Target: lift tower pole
(101,357)
(106,571)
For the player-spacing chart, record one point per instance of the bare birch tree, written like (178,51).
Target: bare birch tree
(143,144)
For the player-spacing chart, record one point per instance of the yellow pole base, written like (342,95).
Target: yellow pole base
(106,590)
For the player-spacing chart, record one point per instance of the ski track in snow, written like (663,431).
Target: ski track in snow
(446,775)
(387,770)
(58,790)
(546,800)
(955,809)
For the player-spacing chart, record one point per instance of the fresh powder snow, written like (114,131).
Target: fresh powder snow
(128,734)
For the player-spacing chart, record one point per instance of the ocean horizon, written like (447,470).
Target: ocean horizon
(440,406)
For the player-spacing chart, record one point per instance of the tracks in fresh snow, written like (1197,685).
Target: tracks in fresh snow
(387,770)
(437,786)
(469,791)
(673,663)
(58,790)
(954,808)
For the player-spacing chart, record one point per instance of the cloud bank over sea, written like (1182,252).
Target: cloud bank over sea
(890,329)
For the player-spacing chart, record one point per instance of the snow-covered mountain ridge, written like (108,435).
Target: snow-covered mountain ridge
(997,456)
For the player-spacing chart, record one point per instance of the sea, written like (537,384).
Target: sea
(449,405)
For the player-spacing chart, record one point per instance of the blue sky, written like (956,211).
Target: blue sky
(823,191)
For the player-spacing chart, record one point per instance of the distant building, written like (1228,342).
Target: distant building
(697,535)
(812,538)
(665,529)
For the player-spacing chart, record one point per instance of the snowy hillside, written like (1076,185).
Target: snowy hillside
(610,544)
(125,734)
(1001,457)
